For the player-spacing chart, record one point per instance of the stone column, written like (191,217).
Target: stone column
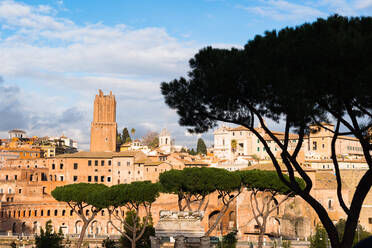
(180,242)
(155,242)
(205,242)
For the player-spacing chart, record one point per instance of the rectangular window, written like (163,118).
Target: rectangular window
(89,162)
(102,179)
(53,166)
(75,166)
(96,162)
(369,220)
(109,162)
(61,178)
(258,149)
(75,178)
(314,145)
(128,163)
(89,178)
(96,178)
(258,141)
(102,162)
(6,178)
(61,166)
(15,177)
(108,179)
(118,163)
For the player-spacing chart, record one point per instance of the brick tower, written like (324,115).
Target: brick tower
(103,128)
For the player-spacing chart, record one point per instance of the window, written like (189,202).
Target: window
(63,212)
(89,162)
(118,163)
(61,166)
(89,178)
(102,162)
(139,172)
(61,178)
(71,212)
(108,179)
(128,163)
(258,149)
(75,166)
(102,178)
(42,213)
(96,178)
(233,133)
(109,162)
(35,213)
(20,191)
(314,145)
(53,166)
(258,141)
(75,178)
(55,212)
(95,162)
(323,145)
(103,212)
(369,220)
(6,177)
(10,190)
(128,172)
(15,177)
(1,191)
(329,203)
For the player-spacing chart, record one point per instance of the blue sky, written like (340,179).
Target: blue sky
(55,55)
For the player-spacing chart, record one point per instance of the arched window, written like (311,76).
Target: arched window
(55,212)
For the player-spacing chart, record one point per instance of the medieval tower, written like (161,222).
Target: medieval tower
(103,128)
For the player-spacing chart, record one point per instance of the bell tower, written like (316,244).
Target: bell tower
(103,127)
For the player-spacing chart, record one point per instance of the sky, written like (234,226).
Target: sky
(55,55)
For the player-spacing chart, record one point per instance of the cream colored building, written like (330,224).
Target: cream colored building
(232,142)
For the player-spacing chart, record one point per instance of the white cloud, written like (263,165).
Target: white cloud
(58,66)
(283,10)
(363,4)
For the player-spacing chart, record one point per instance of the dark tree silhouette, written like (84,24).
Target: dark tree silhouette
(304,75)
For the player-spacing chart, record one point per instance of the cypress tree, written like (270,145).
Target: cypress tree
(201,148)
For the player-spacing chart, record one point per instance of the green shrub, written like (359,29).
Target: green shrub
(49,238)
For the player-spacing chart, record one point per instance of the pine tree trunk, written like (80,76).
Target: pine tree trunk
(82,234)
(260,238)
